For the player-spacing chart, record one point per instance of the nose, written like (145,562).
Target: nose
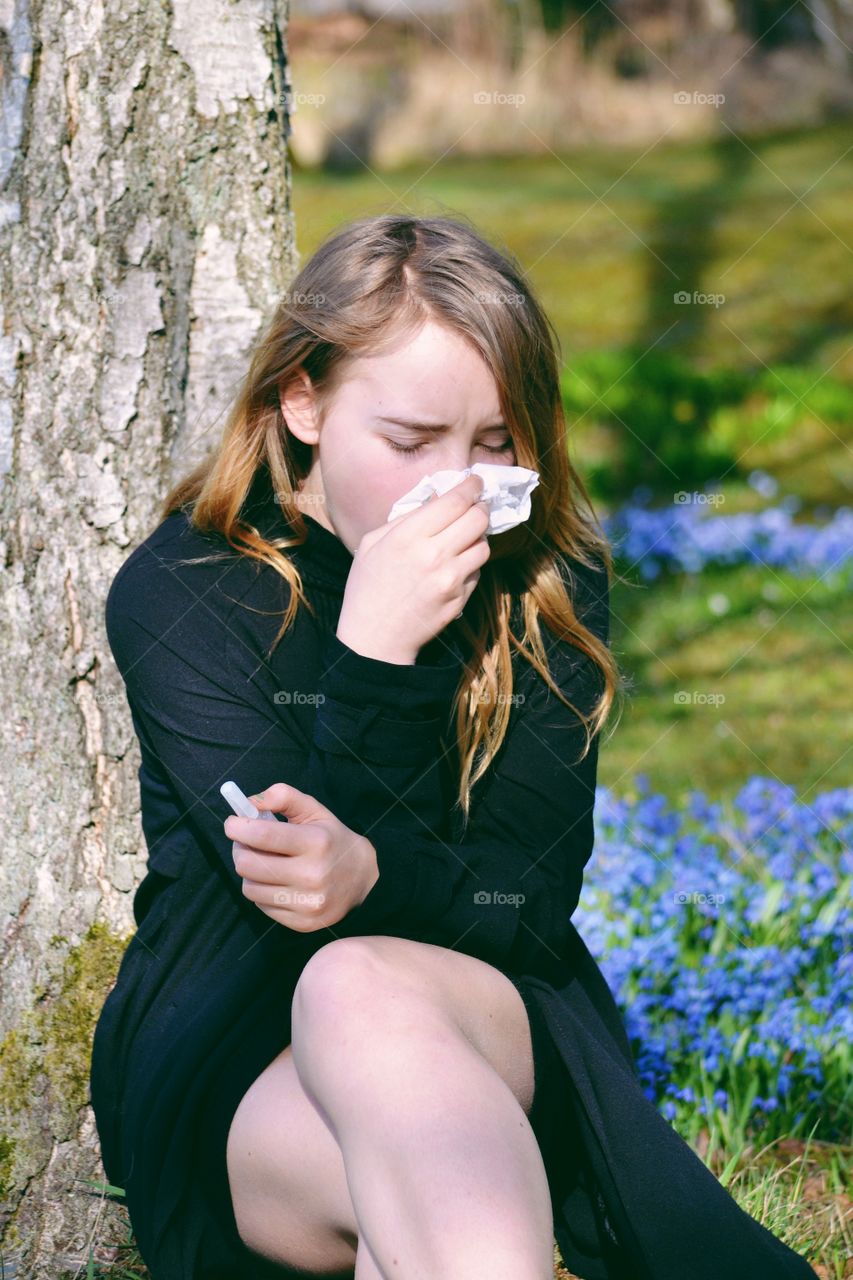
(456,460)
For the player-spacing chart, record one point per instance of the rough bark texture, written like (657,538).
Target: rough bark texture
(145,235)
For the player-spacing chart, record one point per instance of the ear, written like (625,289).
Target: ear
(298,405)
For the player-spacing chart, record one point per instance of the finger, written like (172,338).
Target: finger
(264,868)
(258,833)
(436,514)
(470,530)
(285,897)
(281,797)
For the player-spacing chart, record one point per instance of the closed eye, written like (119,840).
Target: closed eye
(415,448)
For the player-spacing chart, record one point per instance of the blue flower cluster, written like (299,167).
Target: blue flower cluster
(689,535)
(725,932)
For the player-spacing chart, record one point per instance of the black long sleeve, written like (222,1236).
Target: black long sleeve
(208,704)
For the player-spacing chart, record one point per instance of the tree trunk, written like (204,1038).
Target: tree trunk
(146,234)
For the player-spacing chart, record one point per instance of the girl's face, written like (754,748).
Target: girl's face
(429,405)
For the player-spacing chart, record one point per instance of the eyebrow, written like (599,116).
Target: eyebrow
(435,428)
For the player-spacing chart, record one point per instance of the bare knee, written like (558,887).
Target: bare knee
(348,995)
(357,993)
(340,974)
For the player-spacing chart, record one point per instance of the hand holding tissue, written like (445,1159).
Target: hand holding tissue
(506,492)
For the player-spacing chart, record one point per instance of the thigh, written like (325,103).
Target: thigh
(287,1177)
(480,1000)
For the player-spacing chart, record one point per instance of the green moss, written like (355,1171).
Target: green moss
(18,1069)
(69,1024)
(54,1039)
(7,1153)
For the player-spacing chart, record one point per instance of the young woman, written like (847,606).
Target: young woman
(369,1040)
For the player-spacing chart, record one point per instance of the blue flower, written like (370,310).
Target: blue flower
(772,1002)
(687,538)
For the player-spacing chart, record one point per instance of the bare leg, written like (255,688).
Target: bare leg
(288,1183)
(444,1171)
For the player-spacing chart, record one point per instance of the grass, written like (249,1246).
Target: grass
(778,655)
(608,236)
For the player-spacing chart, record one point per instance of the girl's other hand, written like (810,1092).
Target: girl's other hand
(306,873)
(413,575)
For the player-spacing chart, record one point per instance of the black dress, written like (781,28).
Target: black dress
(201,1004)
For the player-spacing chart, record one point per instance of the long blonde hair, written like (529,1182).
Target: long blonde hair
(369,282)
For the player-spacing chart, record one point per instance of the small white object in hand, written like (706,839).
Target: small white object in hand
(506,491)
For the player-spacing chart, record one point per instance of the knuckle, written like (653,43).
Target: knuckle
(315,882)
(320,838)
(447,582)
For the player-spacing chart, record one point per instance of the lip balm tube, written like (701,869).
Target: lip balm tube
(242,805)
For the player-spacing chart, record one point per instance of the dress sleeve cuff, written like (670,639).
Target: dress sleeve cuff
(425,686)
(390,898)
(383,712)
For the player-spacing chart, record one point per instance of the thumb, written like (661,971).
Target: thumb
(298,806)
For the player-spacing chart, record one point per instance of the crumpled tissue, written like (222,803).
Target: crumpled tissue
(506,492)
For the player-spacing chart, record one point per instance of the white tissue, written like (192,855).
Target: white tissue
(506,491)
